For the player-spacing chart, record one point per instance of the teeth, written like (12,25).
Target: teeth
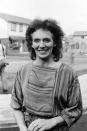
(42,50)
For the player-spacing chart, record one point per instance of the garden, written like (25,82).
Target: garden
(15,62)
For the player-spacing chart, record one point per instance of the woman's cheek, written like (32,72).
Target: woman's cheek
(35,46)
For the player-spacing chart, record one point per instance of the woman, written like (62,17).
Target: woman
(46,93)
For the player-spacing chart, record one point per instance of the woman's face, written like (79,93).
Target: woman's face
(42,42)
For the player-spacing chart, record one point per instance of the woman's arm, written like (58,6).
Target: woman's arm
(16,102)
(74,108)
(20,120)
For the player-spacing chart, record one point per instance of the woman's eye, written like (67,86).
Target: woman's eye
(36,40)
(46,40)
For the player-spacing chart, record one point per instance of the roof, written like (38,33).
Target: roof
(16,19)
(80,33)
(17,37)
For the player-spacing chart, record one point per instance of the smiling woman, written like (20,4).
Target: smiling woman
(46,93)
(42,43)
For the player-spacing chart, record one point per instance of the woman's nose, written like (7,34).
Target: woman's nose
(42,44)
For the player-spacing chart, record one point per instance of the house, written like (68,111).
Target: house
(80,41)
(77,42)
(12,31)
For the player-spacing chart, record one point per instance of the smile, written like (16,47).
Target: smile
(43,50)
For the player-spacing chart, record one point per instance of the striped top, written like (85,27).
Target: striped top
(48,92)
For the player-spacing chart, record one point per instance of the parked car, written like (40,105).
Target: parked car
(8,122)
(14,46)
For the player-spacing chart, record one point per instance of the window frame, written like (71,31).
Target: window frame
(20,27)
(13,26)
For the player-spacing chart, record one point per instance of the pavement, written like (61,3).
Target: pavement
(6,114)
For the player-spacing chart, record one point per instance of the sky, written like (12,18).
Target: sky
(70,14)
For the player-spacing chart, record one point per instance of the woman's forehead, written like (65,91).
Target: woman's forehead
(42,33)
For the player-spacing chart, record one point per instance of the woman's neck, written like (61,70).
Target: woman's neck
(50,63)
(43,63)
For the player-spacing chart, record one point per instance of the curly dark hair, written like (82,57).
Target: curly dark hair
(49,25)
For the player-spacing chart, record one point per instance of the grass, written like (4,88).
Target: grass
(8,82)
(80,67)
(11,76)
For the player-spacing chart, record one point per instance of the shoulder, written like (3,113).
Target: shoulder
(68,73)
(26,66)
(68,69)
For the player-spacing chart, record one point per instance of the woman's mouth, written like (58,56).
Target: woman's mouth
(43,51)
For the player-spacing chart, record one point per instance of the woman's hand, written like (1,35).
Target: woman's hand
(41,125)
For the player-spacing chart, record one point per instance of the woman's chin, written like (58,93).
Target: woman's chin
(43,56)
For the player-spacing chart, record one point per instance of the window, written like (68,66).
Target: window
(82,37)
(73,46)
(13,26)
(77,45)
(21,28)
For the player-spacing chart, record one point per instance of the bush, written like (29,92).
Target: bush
(8,82)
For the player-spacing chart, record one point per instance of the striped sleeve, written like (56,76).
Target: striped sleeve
(17,96)
(73,110)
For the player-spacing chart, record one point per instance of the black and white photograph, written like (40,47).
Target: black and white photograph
(43,65)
